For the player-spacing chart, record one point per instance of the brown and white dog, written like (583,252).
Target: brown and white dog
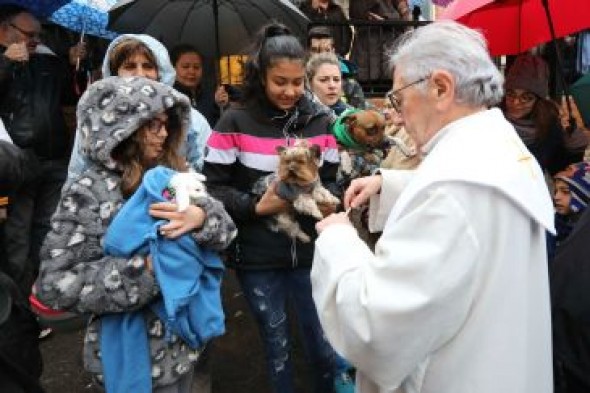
(298,182)
(362,144)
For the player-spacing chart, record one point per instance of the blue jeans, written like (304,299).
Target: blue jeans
(267,293)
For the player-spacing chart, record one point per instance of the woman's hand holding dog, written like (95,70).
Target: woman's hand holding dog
(179,223)
(271,203)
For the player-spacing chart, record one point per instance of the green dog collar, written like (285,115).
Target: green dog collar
(340,130)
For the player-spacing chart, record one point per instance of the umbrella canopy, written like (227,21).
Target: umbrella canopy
(85,16)
(216,27)
(40,8)
(513,26)
(580,90)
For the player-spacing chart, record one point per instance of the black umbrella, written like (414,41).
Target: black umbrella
(216,27)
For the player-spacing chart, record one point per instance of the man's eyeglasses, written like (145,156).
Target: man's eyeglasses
(525,98)
(391,95)
(155,125)
(32,35)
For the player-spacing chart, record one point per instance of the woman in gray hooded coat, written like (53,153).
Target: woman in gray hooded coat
(128,126)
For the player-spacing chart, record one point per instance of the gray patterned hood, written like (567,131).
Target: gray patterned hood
(113,108)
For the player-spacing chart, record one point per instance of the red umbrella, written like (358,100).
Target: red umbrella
(513,26)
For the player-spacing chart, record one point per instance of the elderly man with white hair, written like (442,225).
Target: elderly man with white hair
(455,297)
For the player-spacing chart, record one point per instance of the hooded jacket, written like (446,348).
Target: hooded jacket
(197,133)
(75,274)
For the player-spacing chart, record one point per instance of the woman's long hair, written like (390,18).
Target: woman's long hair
(129,154)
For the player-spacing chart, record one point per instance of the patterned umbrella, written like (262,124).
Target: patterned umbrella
(86,17)
(40,8)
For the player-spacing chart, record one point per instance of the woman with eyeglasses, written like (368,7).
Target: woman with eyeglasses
(130,125)
(534,116)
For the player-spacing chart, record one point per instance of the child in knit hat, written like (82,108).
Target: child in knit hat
(571,197)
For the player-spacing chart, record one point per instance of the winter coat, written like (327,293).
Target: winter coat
(241,150)
(75,274)
(33,94)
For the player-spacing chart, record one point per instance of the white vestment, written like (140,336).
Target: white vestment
(455,298)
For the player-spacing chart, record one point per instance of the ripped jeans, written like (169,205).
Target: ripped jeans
(267,293)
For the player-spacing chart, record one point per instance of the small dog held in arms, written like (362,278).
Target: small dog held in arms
(362,141)
(298,181)
(188,188)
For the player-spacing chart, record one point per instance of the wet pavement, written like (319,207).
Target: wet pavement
(236,359)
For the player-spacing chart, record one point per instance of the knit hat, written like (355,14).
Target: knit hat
(577,176)
(529,72)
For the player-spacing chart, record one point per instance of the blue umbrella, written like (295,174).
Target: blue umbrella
(40,8)
(85,17)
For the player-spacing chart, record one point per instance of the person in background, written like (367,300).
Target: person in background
(576,134)
(142,55)
(371,42)
(319,11)
(325,81)
(129,125)
(188,63)
(534,116)
(320,40)
(272,267)
(34,91)
(571,196)
(20,358)
(459,277)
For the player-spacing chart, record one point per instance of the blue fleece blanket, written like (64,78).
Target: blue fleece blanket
(189,278)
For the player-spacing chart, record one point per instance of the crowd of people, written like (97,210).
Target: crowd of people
(456,265)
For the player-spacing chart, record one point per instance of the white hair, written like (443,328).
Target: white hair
(461,51)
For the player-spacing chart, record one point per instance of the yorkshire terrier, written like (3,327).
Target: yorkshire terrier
(362,141)
(298,182)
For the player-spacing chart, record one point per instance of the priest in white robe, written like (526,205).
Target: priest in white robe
(455,297)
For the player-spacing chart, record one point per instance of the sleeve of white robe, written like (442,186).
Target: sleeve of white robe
(386,312)
(394,181)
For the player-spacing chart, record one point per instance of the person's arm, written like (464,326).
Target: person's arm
(11,167)
(393,183)
(220,169)
(196,140)
(388,311)
(75,274)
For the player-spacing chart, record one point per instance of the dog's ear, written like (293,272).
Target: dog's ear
(350,120)
(316,151)
(281,149)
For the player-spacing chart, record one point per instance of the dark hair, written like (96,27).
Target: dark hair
(318,32)
(125,49)
(128,154)
(273,42)
(9,11)
(180,50)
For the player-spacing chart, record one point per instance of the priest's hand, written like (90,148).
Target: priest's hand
(361,189)
(338,218)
